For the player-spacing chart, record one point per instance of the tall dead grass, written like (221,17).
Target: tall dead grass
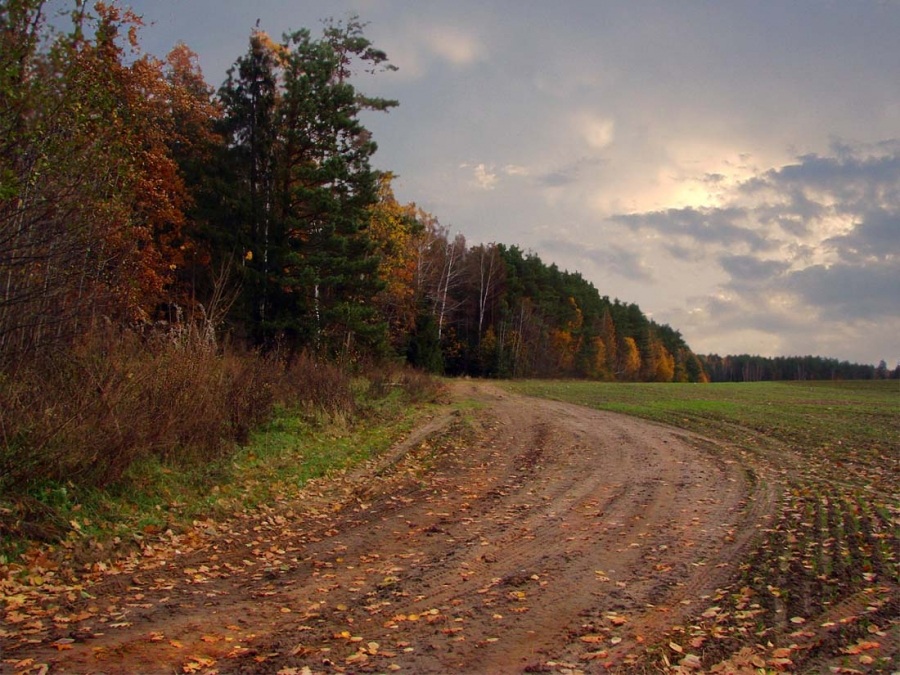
(88,413)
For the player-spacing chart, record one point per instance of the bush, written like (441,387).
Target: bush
(86,414)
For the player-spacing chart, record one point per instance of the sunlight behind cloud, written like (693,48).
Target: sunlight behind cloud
(594,129)
(453,45)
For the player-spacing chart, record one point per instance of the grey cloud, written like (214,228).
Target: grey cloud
(877,236)
(845,292)
(793,212)
(852,176)
(703,225)
(686,253)
(746,270)
(568,174)
(558,178)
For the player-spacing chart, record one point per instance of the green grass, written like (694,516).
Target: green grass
(278,461)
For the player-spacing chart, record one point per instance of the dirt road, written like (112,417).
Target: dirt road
(523,536)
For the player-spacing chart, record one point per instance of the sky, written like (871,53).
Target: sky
(733,167)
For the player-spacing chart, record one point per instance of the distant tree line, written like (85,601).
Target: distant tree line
(747,368)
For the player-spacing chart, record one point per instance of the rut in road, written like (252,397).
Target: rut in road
(526,535)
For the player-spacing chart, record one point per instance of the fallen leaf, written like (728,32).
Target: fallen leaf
(691,662)
(592,639)
(595,656)
(675,647)
(862,646)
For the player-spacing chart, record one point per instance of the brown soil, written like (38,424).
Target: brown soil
(526,536)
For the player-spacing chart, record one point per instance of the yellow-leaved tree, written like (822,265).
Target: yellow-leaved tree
(629,360)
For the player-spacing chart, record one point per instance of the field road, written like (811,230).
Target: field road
(521,535)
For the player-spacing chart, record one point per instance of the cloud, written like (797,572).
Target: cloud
(810,252)
(705,226)
(453,45)
(876,237)
(484,177)
(595,130)
(848,292)
(617,259)
(567,174)
(749,272)
(516,170)
(417,45)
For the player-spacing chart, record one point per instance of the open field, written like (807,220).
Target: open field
(830,558)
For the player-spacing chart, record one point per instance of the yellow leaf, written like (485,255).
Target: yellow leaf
(675,647)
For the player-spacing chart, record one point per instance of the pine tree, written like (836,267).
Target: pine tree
(302,161)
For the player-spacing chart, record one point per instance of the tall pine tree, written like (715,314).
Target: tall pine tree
(303,162)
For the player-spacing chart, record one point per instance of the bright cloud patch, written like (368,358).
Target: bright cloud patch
(596,131)
(484,177)
(453,45)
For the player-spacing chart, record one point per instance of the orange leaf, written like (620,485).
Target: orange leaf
(595,656)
